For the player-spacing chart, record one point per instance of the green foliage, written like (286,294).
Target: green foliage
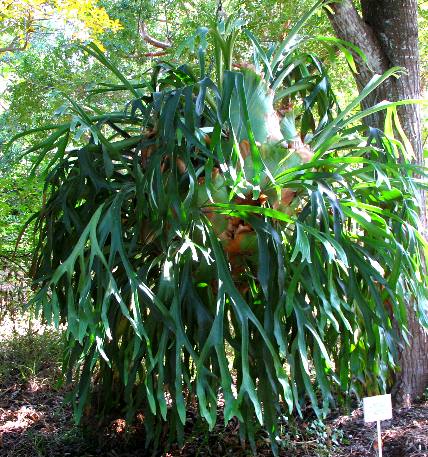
(302,296)
(21,196)
(24,358)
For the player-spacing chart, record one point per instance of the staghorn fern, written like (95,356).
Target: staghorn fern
(199,245)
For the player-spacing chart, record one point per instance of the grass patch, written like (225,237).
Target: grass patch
(30,357)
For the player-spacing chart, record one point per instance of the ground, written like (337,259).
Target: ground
(34,421)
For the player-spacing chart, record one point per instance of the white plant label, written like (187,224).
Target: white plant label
(377,408)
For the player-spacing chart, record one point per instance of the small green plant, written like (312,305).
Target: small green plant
(26,357)
(324,434)
(38,443)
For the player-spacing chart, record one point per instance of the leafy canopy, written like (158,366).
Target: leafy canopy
(20,19)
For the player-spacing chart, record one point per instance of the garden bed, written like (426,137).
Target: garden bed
(35,422)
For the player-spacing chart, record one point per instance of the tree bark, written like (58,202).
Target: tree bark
(348,25)
(387,32)
(395,23)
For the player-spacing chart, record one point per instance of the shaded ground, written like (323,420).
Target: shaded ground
(35,422)
(406,435)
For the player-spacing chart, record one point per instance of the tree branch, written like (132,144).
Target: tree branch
(155,54)
(151,40)
(14,47)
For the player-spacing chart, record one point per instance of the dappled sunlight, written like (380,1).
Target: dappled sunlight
(37,384)
(18,420)
(35,421)
(21,325)
(29,413)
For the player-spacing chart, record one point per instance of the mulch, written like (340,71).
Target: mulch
(406,435)
(35,422)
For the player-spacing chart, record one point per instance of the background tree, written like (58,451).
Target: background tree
(21,19)
(387,32)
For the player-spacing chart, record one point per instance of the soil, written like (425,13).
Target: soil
(35,422)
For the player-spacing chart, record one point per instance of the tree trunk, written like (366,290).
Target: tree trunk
(387,32)
(395,23)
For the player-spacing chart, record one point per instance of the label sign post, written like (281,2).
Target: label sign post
(376,409)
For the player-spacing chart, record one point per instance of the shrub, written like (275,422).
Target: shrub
(232,232)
